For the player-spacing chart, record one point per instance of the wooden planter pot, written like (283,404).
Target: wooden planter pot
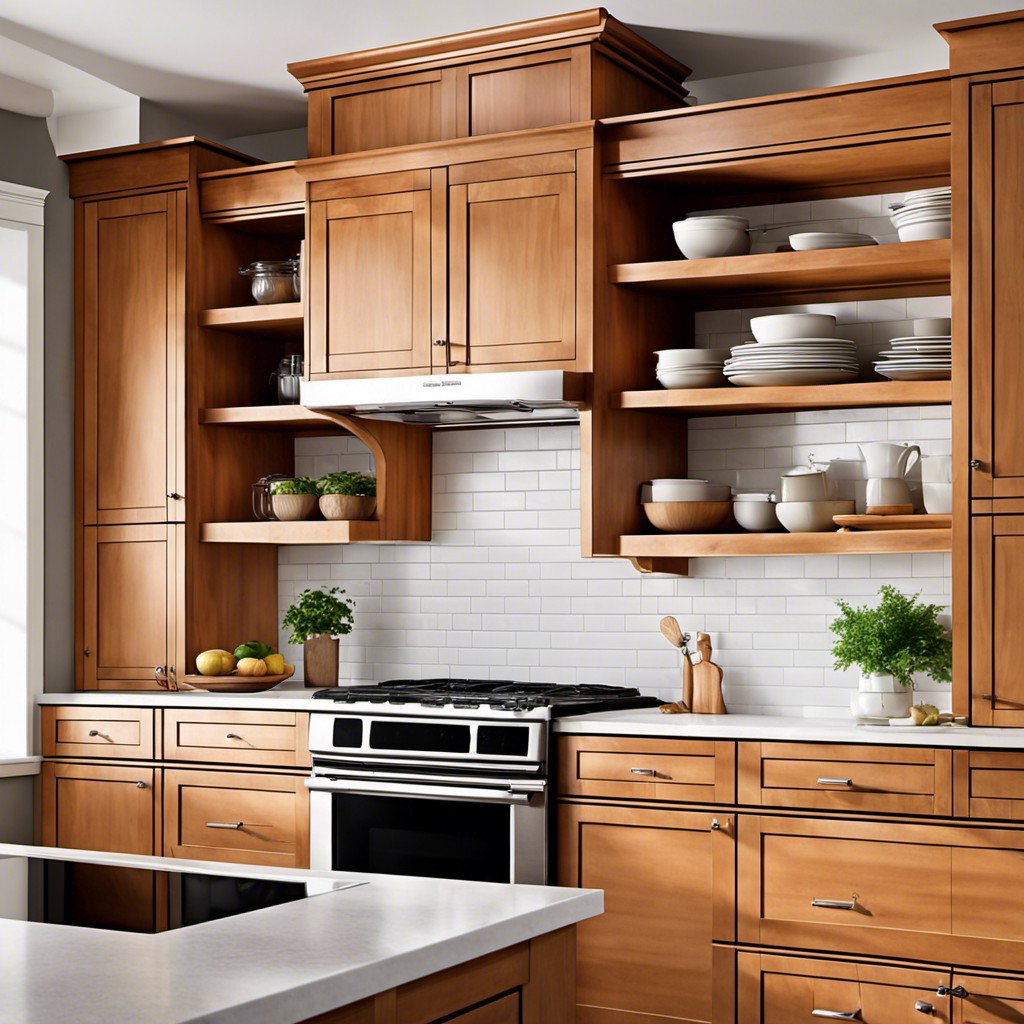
(320,661)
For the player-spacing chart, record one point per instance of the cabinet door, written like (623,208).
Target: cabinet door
(512,290)
(997,607)
(131,287)
(668,882)
(132,599)
(982,1000)
(370,283)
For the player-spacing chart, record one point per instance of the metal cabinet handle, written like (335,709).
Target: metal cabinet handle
(232,736)
(836,904)
(235,825)
(837,1014)
(960,992)
(102,735)
(922,1007)
(175,496)
(140,785)
(975,463)
(716,825)
(446,344)
(643,771)
(825,781)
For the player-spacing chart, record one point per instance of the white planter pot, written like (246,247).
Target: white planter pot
(882,696)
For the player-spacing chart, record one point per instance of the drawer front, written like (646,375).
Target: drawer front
(781,990)
(244,817)
(989,1000)
(932,892)
(98,732)
(989,784)
(880,780)
(274,739)
(697,771)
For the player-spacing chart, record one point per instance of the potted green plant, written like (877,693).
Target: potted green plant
(316,620)
(890,642)
(293,499)
(347,495)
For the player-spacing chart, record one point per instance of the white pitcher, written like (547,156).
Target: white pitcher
(884,459)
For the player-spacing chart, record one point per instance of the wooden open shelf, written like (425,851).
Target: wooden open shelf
(698,545)
(784,278)
(313,531)
(295,418)
(706,401)
(277,320)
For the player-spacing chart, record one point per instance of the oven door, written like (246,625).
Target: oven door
(478,830)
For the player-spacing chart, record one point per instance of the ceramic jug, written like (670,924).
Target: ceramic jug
(884,459)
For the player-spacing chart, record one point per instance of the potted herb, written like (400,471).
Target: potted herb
(316,620)
(347,495)
(293,499)
(890,642)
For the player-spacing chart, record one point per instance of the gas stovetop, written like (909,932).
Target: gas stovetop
(502,695)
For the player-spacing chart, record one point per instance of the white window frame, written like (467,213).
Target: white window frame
(21,210)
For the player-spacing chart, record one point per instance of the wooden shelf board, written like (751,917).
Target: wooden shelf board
(697,545)
(279,319)
(706,401)
(306,532)
(271,417)
(782,278)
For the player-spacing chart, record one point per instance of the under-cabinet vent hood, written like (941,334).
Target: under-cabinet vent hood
(455,399)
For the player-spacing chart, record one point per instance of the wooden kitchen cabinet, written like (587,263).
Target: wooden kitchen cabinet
(96,732)
(979,999)
(277,739)
(668,877)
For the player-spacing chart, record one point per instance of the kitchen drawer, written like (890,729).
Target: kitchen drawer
(98,732)
(826,776)
(700,771)
(273,739)
(948,893)
(988,1000)
(781,990)
(236,816)
(989,784)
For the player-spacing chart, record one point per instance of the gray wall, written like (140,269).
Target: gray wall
(16,809)
(27,158)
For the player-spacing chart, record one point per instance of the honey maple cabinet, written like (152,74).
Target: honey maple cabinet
(476,264)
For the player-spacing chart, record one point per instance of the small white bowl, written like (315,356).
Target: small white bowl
(699,240)
(688,490)
(677,358)
(755,516)
(674,380)
(811,516)
(789,326)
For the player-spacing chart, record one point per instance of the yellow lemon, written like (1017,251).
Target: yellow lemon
(275,664)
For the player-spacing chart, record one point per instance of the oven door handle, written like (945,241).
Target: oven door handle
(468,794)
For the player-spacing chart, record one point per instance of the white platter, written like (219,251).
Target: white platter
(894,374)
(783,378)
(921,338)
(794,343)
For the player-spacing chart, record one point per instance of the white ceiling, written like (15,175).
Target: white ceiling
(220,63)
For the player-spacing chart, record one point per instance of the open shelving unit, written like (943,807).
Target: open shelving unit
(279,320)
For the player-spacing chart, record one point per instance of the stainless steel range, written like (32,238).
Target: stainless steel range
(446,778)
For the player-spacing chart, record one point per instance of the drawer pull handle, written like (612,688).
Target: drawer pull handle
(837,1014)
(232,736)
(102,735)
(922,1007)
(643,771)
(836,904)
(235,825)
(140,785)
(959,991)
(826,781)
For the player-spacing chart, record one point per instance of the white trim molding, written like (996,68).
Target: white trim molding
(22,203)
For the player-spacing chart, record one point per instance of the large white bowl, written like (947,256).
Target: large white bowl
(688,490)
(811,516)
(709,377)
(789,326)
(677,358)
(699,240)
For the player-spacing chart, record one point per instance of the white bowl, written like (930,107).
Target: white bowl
(710,377)
(811,516)
(677,358)
(932,327)
(808,241)
(925,230)
(755,516)
(688,490)
(789,326)
(702,240)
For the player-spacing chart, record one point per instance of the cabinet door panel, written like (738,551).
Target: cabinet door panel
(667,878)
(370,260)
(513,270)
(989,1001)
(132,347)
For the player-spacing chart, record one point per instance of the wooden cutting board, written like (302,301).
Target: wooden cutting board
(707,681)
(924,521)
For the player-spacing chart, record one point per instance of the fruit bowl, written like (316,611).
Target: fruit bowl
(235,683)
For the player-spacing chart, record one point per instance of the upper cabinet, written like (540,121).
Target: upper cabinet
(534,74)
(454,264)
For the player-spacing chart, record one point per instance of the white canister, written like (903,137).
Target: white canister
(805,485)
(937,469)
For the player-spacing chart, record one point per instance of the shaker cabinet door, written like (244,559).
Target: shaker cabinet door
(132,292)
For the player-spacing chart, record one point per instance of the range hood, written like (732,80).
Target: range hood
(454,399)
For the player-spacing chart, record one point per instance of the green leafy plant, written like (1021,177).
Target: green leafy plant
(316,612)
(897,637)
(298,485)
(355,484)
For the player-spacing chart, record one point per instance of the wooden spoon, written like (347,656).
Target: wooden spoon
(672,632)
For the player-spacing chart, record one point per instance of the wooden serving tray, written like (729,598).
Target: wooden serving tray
(924,521)
(236,683)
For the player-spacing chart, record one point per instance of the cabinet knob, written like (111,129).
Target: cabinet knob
(716,825)
(102,735)
(87,651)
(175,496)
(976,464)
(140,785)
(959,991)
(232,736)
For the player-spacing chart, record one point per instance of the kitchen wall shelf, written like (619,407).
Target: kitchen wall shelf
(697,545)
(296,418)
(278,320)
(342,531)
(708,401)
(783,278)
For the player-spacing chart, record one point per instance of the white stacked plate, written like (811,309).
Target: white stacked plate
(923,214)
(794,361)
(917,358)
(691,367)
(808,240)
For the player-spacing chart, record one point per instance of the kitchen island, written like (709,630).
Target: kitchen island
(384,949)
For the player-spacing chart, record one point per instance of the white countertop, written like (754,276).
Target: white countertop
(651,722)
(287,696)
(272,966)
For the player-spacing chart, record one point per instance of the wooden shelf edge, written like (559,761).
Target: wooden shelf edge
(273,317)
(343,531)
(269,417)
(702,401)
(699,545)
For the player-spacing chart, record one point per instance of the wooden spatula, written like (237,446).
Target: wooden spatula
(672,632)
(707,681)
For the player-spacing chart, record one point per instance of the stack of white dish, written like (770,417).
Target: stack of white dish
(685,505)
(691,367)
(923,214)
(808,240)
(793,348)
(701,238)
(921,357)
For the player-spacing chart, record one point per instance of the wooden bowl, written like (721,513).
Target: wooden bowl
(238,684)
(290,508)
(347,506)
(687,516)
